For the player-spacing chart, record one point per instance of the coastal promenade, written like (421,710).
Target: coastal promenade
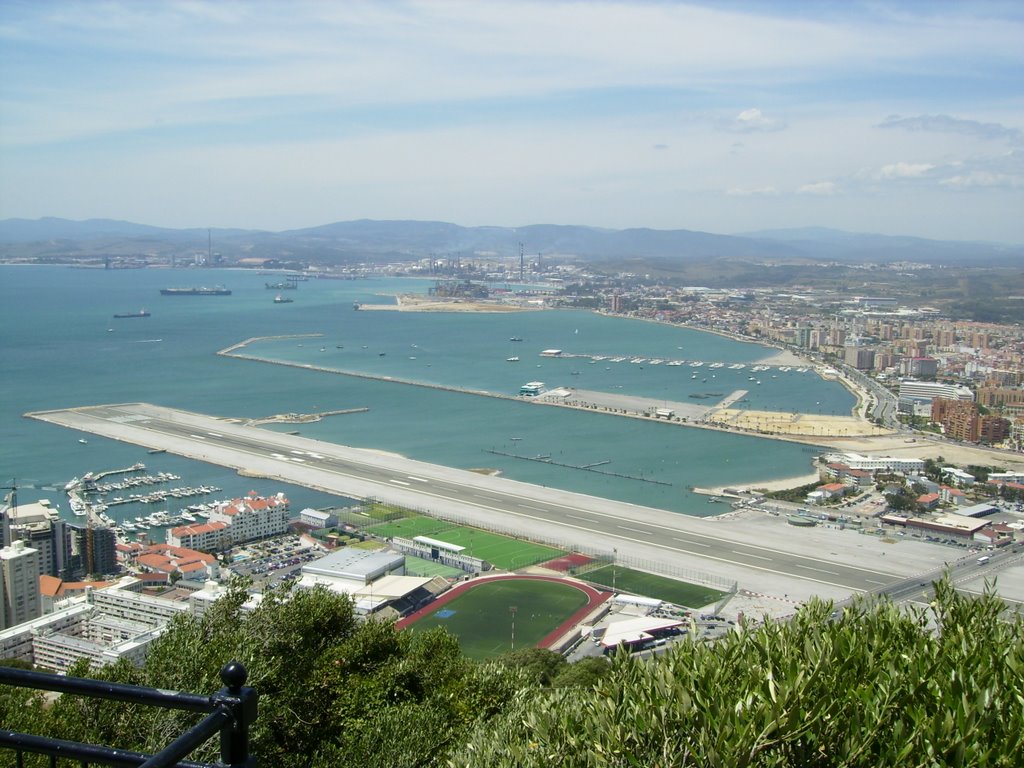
(765,553)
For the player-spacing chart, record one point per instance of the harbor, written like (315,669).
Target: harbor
(89,497)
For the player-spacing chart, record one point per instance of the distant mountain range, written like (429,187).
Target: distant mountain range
(370,240)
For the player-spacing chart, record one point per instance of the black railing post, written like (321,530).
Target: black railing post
(242,702)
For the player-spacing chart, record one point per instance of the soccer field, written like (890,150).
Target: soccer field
(501,551)
(650,585)
(482,617)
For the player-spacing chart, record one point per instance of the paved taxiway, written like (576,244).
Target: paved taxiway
(546,514)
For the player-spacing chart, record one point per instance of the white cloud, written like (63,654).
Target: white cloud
(983,179)
(948,124)
(824,188)
(903,170)
(752,121)
(751,191)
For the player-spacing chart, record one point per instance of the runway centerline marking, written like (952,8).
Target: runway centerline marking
(819,570)
(399,482)
(747,554)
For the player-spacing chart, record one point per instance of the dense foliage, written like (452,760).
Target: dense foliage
(878,686)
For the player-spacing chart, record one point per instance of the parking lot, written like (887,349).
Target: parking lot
(272,561)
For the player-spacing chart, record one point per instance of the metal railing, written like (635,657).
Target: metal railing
(230,712)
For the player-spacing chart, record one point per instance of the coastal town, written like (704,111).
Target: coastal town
(928,459)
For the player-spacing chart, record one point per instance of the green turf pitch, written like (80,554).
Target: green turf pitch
(482,619)
(501,551)
(649,585)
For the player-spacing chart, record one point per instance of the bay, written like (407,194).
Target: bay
(61,347)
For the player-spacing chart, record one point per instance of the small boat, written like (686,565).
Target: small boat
(512,359)
(279,299)
(83,441)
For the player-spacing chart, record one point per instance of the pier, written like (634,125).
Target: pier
(713,365)
(546,459)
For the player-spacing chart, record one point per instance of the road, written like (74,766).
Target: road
(546,514)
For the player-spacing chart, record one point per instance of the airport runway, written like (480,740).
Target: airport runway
(546,514)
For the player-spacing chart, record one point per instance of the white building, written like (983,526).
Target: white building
(235,522)
(877,463)
(118,622)
(928,390)
(253,517)
(372,579)
(19,584)
(203,537)
(317,519)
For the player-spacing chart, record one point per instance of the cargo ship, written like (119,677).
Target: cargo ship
(140,313)
(215,291)
(287,286)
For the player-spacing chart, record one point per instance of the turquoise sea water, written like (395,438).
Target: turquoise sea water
(61,347)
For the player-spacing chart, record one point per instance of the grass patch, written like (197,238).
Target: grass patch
(480,618)
(501,551)
(418,566)
(650,585)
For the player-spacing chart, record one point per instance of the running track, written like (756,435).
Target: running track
(594,598)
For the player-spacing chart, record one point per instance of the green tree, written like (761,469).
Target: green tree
(876,687)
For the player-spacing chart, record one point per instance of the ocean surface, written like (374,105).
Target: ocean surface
(61,347)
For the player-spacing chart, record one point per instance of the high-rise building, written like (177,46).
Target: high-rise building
(95,550)
(40,526)
(19,584)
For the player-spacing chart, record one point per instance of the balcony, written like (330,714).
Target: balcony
(229,712)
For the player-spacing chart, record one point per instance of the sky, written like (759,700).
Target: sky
(903,118)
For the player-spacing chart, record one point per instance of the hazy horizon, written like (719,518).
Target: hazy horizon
(898,118)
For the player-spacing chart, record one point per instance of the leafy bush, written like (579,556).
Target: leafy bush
(876,687)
